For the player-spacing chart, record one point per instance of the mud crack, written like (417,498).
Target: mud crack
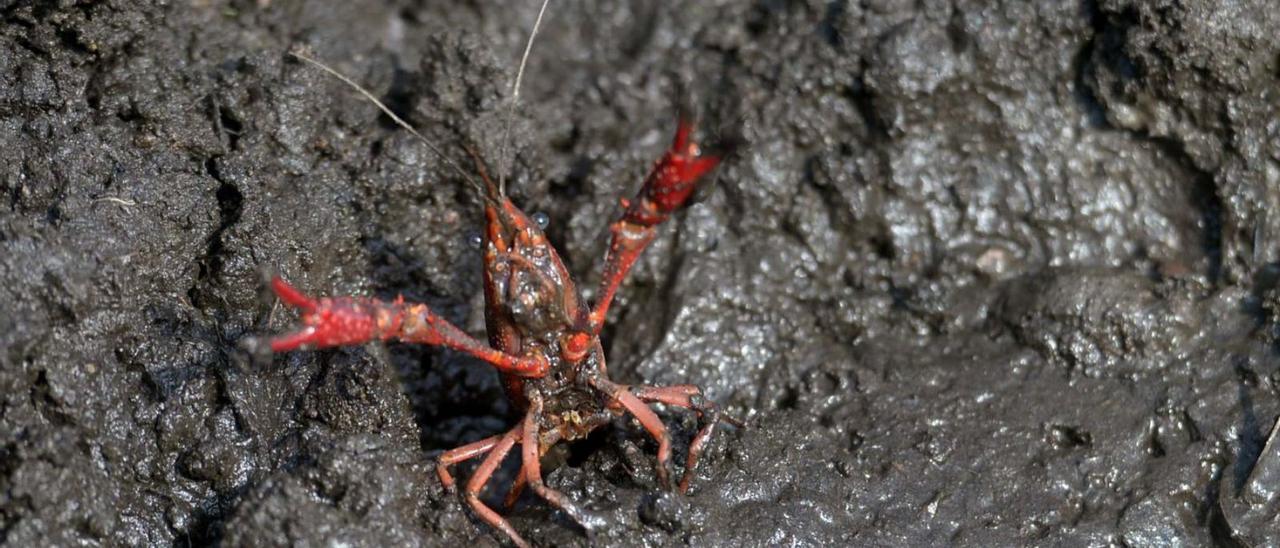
(230,207)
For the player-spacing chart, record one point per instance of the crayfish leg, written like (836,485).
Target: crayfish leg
(690,397)
(532,471)
(462,454)
(482,476)
(648,419)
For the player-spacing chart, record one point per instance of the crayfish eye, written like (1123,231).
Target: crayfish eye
(541,219)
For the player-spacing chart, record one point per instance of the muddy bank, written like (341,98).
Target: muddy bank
(978,275)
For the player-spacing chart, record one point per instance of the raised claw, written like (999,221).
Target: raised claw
(673,179)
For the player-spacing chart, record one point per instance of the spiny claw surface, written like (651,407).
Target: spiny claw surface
(331,322)
(673,179)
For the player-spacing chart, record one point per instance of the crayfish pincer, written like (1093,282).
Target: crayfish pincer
(544,338)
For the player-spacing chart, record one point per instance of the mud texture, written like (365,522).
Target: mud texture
(982,273)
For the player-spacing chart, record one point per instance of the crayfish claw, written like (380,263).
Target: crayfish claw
(291,295)
(334,321)
(298,339)
(673,179)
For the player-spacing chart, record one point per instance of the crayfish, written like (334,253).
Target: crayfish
(544,338)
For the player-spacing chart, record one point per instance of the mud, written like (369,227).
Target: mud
(979,275)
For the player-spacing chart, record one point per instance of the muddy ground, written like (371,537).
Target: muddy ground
(981,273)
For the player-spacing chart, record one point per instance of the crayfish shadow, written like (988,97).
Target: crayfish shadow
(455,399)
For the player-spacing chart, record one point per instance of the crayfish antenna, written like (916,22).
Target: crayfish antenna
(492,192)
(515,97)
(298,54)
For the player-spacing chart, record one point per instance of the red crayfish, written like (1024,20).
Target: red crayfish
(544,339)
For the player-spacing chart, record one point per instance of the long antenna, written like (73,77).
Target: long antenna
(515,96)
(400,122)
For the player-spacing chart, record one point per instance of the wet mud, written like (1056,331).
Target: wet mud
(983,274)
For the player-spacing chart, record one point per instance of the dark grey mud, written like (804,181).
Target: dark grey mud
(982,273)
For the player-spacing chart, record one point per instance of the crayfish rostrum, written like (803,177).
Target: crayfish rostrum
(544,338)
